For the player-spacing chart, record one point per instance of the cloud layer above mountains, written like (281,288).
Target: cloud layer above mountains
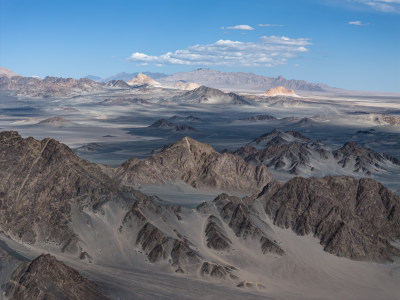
(267,52)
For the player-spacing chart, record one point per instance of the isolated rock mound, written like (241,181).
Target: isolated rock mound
(258,118)
(162,123)
(141,79)
(354,218)
(165,124)
(187,86)
(197,164)
(48,278)
(209,95)
(117,84)
(56,121)
(280,91)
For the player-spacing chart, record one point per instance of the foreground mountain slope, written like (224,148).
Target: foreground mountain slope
(39,183)
(48,278)
(355,218)
(121,237)
(197,164)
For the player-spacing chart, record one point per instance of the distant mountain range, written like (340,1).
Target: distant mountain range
(222,80)
(125,76)
(240,81)
(226,81)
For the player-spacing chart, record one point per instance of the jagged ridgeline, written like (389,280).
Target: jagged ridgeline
(52,199)
(48,278)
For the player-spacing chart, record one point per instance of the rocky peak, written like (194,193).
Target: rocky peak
(162,123)
(197,164)
(117,83)
(7,72)
(204,94)
(364,158)
(40,181)
(190,146)
(278,137)
(354,218)
(48,278)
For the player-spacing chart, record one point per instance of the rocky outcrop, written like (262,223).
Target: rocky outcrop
(123,101)
(189,119)
(278,137)
(217,271)
(293,153)
(184,127)
(162,123)
(141,79)
(165,124)
(117,84)
(353,218)
(362,160)
(208,95)
(48,278)
(216,236)
(57,122)
(258,118)
(237,214)
(197,164)
(280,91)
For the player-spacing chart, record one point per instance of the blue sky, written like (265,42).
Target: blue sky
(353,44)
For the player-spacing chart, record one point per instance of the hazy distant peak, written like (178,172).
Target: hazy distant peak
(141,79)
(234,81)
(187,86)
(189,145)
(7,72)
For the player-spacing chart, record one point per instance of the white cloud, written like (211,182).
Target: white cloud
(267,52)
(269,25)
(357,23)
(382,5)
(283,40)
(239,27)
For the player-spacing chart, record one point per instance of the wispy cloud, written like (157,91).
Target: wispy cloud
(269,51)
(269,25)
(239,27)
(283,40)
(358,23)
(382,5)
